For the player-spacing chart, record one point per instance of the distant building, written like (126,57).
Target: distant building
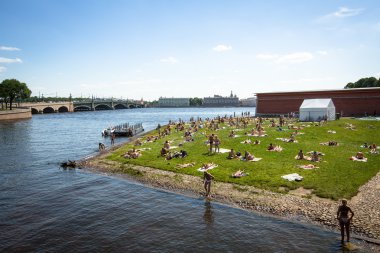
(173,102)
(248,102)
(219,101)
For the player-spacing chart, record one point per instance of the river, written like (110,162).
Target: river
(46,209)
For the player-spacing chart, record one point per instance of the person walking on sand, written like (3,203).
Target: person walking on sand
(344,220)
(207,177)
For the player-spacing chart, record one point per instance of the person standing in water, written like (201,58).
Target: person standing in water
(344,220)
(207,177)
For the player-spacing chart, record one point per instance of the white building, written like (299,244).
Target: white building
(173,102)
(248,102)
(317,109)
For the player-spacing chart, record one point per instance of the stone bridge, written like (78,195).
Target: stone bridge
(92,105)
(97,105)
(47,107)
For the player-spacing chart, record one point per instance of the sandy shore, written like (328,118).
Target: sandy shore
(300,205)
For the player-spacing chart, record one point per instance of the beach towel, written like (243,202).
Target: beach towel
(305,157)
(256,159)
(224,150)
(307,167)
(292,177)
(173,147)
(276,149)
(286,140)
(256,135)
(331,132)
(185,165)
(353,158)
(210,168)
(246,142)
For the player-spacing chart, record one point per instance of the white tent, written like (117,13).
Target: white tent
(317,109)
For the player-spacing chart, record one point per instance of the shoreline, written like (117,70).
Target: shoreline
(297,206)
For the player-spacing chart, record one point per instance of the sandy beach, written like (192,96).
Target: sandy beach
(297,205)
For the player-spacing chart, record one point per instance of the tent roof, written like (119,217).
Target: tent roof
(317,103)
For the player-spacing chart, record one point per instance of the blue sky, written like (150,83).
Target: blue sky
(172,48)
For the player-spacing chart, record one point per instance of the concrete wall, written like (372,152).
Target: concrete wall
(17,113)
(352,102)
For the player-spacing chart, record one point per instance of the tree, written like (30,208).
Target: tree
(196,101)
(364,82)
(12,89)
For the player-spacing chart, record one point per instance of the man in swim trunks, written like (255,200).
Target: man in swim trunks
(344,220)
(207,182)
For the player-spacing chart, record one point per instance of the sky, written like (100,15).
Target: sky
(192,48)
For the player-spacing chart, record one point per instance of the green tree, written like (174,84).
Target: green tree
(12,89)
(364,82)
(196,101)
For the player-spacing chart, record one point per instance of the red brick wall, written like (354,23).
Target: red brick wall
(350,101)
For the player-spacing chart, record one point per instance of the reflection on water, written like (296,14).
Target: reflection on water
(46,209)
(208,216)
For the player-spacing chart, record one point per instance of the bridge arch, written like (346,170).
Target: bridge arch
(131,106)
(34,111)
(120,106)
(48,110)
(102,107)
(82,108)
(63,109)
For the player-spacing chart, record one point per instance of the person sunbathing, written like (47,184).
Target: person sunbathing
(291,139)
(333,143)
(138,142)
(163,152)
(166,145)
(232,134)
(373,146)
(256,142)
(248,156)
(270,147)
(231,154)
(365,145)
(207,165)
(300,155)
(360,155)
(315,157)
(239,173)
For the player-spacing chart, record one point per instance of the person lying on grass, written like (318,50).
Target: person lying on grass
(248,156)
(239,173)
(132,153)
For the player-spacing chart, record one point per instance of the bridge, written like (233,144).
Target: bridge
(100,104)
(90,105)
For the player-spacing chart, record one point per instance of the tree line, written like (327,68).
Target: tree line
(12,90)
(363,83)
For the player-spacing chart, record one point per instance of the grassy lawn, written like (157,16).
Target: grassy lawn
(336,177)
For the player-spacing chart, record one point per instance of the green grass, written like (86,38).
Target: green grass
(337,176)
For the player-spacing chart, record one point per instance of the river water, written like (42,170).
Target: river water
(46,209)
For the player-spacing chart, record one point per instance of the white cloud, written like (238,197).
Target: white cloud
(322,52)
(344,12)
(222,48)
(2,69)
(8,60)
(9,48)
(170,59)
(297,57)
